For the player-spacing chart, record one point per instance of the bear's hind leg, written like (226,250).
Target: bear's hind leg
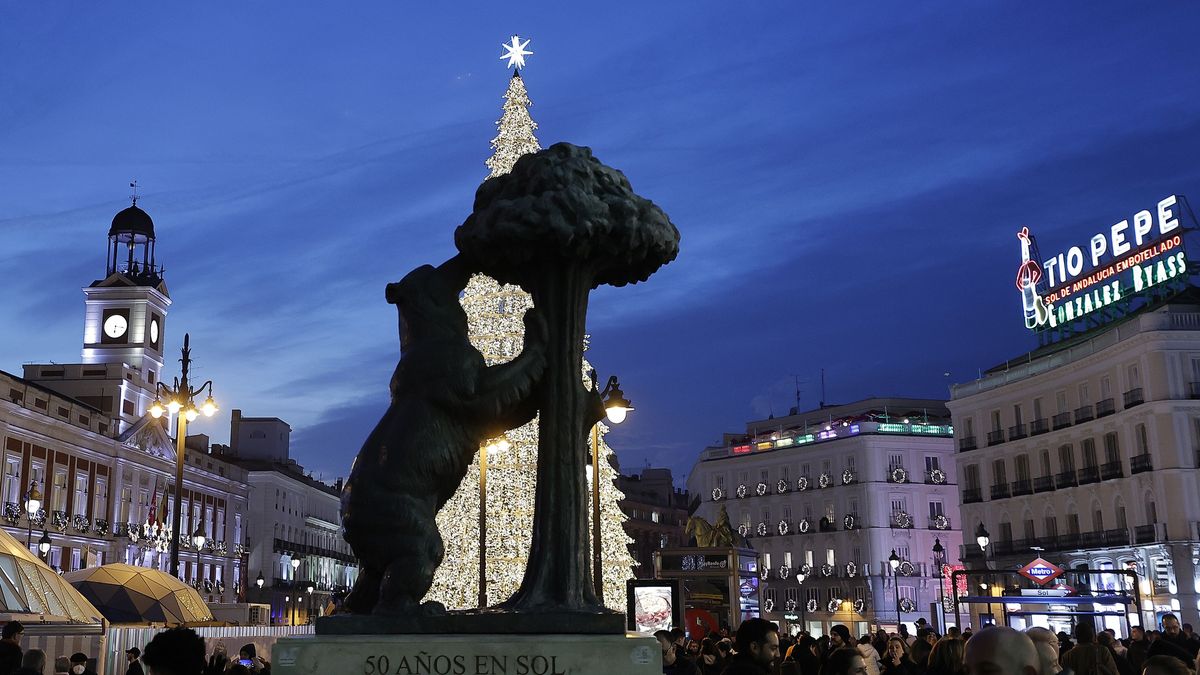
(365,593)
(410,575)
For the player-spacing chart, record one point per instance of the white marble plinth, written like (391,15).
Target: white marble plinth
(467,655)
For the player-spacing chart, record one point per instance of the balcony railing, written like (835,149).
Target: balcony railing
(1106,407)
(1110,470)
(995,437)
(1145,534)
(1064,542)
(1061,420)
(1043,484)
(1000,491)
(972,495)
(1083,413)
(1040,426)
(1140,464)
(1065,479)
(1016,431)
(966,444)
(1134,397)
(1022,487)
(1089,475)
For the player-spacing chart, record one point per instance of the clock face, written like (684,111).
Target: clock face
(154,331)
(115,326)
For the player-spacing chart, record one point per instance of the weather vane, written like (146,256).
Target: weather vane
(133,188)
(515,53)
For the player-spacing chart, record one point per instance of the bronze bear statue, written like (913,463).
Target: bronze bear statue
(445,402)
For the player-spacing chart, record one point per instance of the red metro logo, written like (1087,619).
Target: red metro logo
(1041,571)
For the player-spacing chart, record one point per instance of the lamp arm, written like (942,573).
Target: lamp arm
(201,389)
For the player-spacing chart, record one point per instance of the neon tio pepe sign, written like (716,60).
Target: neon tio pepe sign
(1082,279)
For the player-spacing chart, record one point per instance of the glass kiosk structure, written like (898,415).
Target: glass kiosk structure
(720,585)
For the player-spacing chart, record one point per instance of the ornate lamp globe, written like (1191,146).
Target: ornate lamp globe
(894,560)
(44,543)
(982,537)
(260,581)
(198,538)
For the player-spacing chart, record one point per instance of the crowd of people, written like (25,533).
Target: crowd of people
(175,651)
(757,648)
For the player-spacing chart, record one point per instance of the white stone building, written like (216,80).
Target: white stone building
(833,492)
(292,517)
(81,435)
(1086,451)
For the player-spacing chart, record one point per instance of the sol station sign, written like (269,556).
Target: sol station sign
(1122,260)
(1041,571)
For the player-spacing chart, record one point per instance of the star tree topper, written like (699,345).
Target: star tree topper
(515,52)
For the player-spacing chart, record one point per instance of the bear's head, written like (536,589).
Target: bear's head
(428,304)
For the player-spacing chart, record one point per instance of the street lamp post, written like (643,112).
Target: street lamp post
(939,561)
(308,615)
(496,446)
(259,582)
(803,602)
(616,407)
(287,608)
(983,538)
(33,502)
(894,563)
(181,403)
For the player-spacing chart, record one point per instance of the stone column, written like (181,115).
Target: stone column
(1183,561)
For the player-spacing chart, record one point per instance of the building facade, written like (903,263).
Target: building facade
(79,437)
(296,546)
(832,493)
(1086,452)
(657,513)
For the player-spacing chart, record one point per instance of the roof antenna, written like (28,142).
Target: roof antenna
(822,387)
(133,188)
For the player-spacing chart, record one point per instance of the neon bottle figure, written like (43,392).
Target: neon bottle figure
(1028,276)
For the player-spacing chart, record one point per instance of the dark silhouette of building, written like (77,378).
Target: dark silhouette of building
(657,512)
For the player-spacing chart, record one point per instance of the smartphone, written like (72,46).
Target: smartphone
(246,662)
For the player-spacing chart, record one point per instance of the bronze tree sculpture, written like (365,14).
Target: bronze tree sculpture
(445,402)
(560,224)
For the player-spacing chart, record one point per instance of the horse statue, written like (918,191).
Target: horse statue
(709,535)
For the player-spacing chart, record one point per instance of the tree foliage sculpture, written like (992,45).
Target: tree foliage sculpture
(560,224)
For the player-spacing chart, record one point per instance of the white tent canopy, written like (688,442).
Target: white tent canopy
(29,586)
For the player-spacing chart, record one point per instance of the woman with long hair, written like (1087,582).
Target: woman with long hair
(947,657)
(844,661)
(898,659)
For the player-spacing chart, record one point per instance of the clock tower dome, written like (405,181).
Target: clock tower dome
(123,328)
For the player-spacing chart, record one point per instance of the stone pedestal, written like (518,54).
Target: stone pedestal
(467,655)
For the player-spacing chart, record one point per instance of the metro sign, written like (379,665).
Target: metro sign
(1041,571)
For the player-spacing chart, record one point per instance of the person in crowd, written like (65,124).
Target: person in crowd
(871,658)
(33,662)
(1171,642)
(79,664)
(10,646)
(1136,650)
(1046,643)
(1165,665)
(218,661)
(1192,638)
(844,661)
(919,652)
(710,661)
(967,633)
(673,662)
(1117,646)
(1000,650)
(62,665)
(725,647)
(839,637)
(1172,634)
(954,632)
(898,660)
(879,641)
(946,657)
(175,651)
(1106,641)
(804,655)
(908,639)
(1088,657)
(257,664)
(756,648)
(133,664)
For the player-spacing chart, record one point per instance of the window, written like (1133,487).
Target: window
(79,503)
(765,475)
(1139,435)
(1089,453)
(1006,532)
(783,474)
(996,420)
(1098,520)
(12,479)
(1122,521)
(1084,399)
(1135,379)
(1023,467)
(1073,523)
(1051,527)
(895,461)
(1046,470)
(654,516)
(998,473)
(60,489)
(971,476)
(830,559)
(1060,401)
(969,427)
(1037,408)
(1017,414)
(936,509)
(719,481)
(100,500)
(1029,528)
(899,504)
(1066,458)
(932,464)
(1105,387)
(1112,448)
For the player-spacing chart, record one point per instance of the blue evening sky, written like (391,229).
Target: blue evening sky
(847,178)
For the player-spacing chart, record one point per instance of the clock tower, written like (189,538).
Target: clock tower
(123,328)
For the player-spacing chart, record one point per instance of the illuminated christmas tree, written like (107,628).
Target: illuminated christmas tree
(495,320)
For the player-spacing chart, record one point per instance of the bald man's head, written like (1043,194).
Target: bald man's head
(1000,650)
